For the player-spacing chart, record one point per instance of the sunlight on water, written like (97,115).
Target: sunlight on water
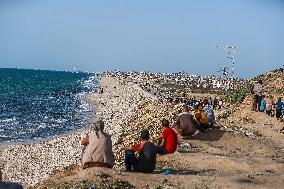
(38,104)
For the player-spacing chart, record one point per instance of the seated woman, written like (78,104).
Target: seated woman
(201,120)
(98,148)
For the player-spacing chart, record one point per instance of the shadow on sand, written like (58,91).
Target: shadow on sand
(209,135)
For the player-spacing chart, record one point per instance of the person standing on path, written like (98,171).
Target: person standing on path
(167,143)
(257,89)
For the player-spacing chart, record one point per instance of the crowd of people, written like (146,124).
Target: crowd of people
(163,83)
(97,151)
(266,103)
(216,103)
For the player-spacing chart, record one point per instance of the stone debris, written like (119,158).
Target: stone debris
(240,130)
(185,147)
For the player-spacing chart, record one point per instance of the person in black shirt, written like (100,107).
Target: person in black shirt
(146,161)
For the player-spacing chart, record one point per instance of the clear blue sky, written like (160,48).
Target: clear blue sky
(151,35)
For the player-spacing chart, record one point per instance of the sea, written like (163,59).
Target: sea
(39,104)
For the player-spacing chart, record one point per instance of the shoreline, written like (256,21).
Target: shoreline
(33,161)
(90,114)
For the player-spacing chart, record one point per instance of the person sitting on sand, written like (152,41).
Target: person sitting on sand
(98,150)
(184,124)
(167,143)
(146,162)
(220,104)
(270,106)
(257,89)
(208,109)
(201,120)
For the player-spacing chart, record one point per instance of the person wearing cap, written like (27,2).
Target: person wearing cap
(146,162)
(98,148)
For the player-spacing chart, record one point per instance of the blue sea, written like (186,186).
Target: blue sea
(38,104)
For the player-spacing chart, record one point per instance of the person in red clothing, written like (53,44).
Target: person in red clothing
(168,142)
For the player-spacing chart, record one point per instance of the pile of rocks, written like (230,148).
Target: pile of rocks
(185,147)
(240,130)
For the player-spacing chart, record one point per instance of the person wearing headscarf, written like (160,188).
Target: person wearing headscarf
(98,148)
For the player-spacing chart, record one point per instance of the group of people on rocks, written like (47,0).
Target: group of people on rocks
(262,103)
(217,103)
(97,151)
(164,82)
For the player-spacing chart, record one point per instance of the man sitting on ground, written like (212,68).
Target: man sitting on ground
(146,161)
(168,142)
(98,151)
(184,124)
(202,123)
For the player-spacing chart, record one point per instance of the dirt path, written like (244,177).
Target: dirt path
(216,159)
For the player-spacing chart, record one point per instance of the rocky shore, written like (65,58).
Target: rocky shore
(246,152)
(28,164)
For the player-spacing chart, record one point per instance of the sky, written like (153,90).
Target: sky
(148,35)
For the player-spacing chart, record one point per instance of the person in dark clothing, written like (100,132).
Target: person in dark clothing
(279,107)
(215,103)
(146,162)
(257,89)
(8,185)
